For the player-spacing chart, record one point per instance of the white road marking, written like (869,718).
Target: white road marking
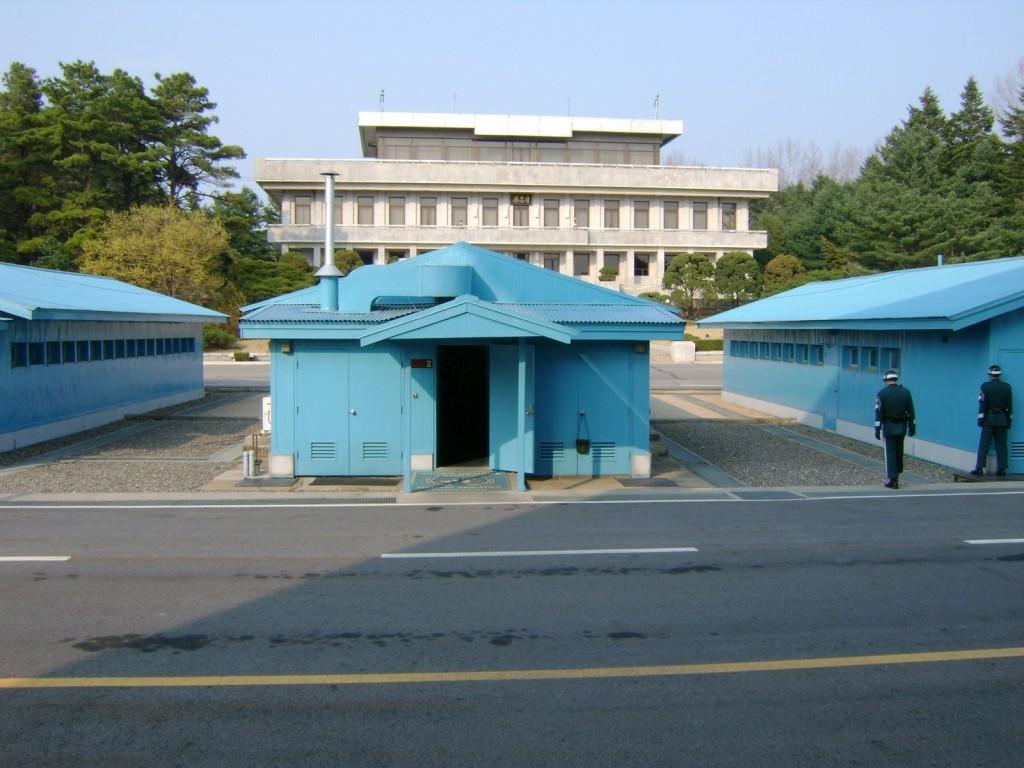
(35,559)
(994,541)
(537,553)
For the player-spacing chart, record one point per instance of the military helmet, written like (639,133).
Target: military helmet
(890,375)
(995,370)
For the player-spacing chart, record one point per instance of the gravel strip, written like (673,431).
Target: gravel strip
(761,459)
(937,473)
(195,437)
(10,458)
(113,477)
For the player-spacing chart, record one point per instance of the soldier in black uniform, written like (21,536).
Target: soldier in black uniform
(894,418)
(995,412)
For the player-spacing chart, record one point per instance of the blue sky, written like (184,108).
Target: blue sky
(289,77)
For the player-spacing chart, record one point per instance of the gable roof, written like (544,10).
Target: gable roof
(943,298)
(31,293)
(459,289)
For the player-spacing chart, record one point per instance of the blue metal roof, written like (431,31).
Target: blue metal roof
(947,298)
(311,313)
(528,300)
(604,314)
(45,294)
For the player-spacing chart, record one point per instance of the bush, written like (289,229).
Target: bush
(242,357)
(217,338)
(705,345)
(607,274)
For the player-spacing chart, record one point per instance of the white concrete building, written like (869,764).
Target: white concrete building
(571,194)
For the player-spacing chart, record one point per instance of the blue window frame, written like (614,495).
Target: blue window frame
(53,353)
(892,358)
(36,353)
(108,349)
(764,350)
(19,354)
(869,358)
(67,352)
(817,354)
(82,351)
(801,354)
(119,349)
(96,350)
(851,357)
(787,353)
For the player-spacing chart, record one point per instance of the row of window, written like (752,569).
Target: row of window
(24,354)
(871,358)
(520,204)
(510,151)
(806,354)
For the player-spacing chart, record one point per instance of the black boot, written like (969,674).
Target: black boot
(977,472)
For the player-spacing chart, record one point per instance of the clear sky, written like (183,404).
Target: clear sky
(289,77)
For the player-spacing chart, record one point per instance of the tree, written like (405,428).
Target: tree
(782,273)
(259,279)
(245,218)
(26,182)
(189,156)
(184,254)
(103,127)
(347,261)
(736,276)
(691,274)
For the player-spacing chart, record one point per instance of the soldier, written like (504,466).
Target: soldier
(995,412)
(894,418)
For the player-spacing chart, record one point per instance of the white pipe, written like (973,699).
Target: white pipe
(328,259)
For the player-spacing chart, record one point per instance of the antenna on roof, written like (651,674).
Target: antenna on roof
(381,99)
(657,105)
(568,106)
(455,100)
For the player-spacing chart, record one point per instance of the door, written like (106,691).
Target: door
(348,412)
(321,412)
(1012,363)
(374,413)
(504,407)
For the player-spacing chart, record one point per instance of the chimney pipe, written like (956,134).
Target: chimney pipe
(939,262)
(328,273)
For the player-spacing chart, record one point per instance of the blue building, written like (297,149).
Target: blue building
(817,353)
(81,351)
(455,356)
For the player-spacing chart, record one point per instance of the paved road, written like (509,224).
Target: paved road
(227,373)
(551,658)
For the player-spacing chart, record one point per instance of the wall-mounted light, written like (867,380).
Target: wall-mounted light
(286,347)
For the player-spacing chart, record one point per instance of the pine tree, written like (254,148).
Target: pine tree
(189,156)
(26,178)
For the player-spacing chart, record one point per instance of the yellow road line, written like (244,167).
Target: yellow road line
(592,673)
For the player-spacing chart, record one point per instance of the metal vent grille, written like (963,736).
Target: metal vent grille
(604,451)
(552,451)
(323,451)
(1017,450)
(375,450)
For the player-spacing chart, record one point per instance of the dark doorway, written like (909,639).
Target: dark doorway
(462,404)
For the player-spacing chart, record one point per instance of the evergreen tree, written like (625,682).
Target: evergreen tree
(26,179)
(736,277)
(691,274)
(189,156)
(245,218)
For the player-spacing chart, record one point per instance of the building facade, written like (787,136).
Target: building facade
(585,197)
(817,353)
(460,355)
(80,351)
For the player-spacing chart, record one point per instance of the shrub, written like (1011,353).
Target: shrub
(215,337)
(607,274)
(242,357)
